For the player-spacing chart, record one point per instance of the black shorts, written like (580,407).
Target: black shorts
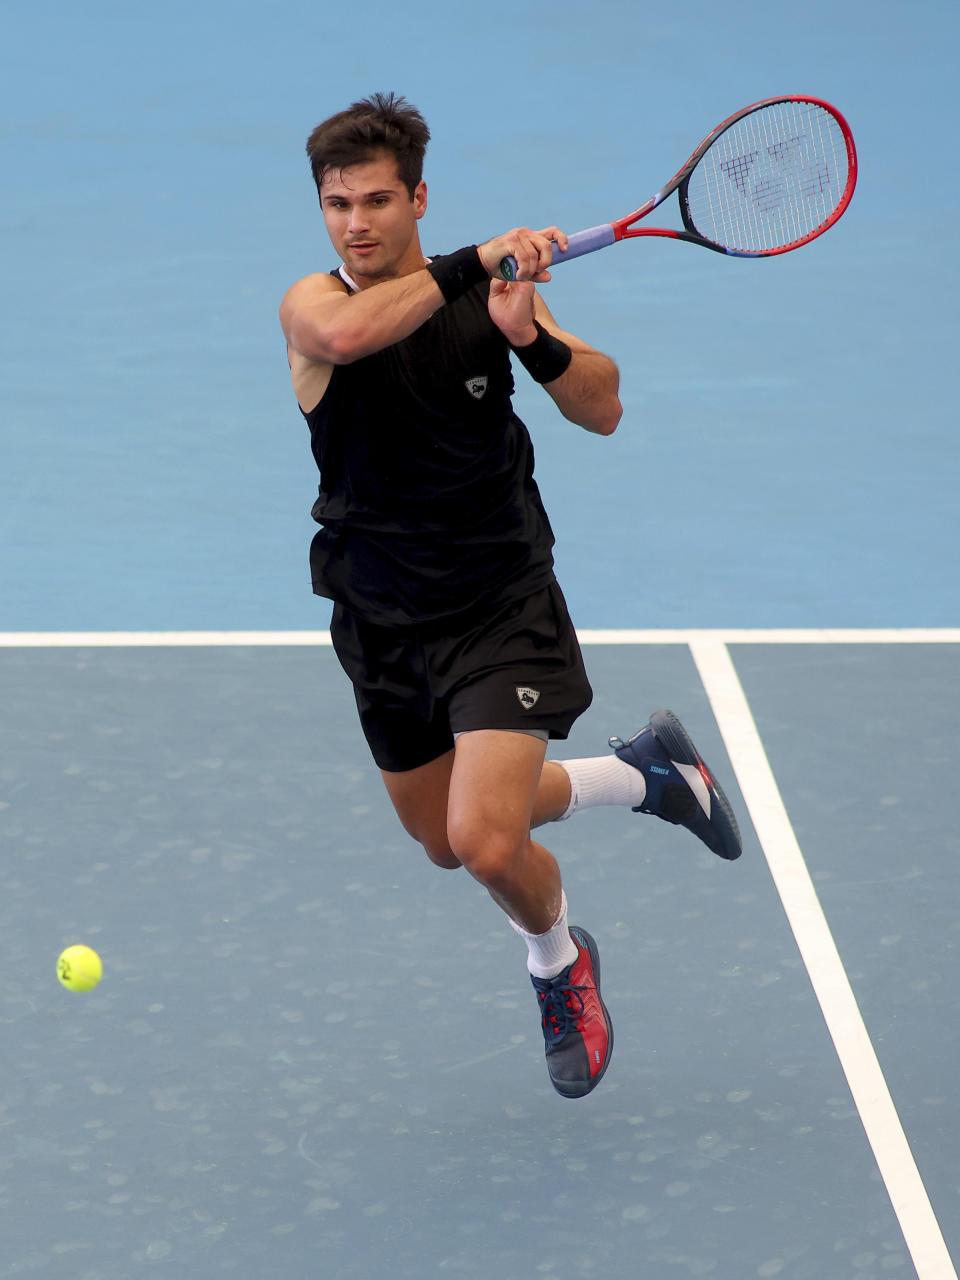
(519,669)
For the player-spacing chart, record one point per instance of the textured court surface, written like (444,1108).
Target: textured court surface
(313,1053)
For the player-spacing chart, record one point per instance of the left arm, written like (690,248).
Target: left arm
(587,392)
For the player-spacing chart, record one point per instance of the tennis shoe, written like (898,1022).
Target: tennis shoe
(680,787)
(577,1030)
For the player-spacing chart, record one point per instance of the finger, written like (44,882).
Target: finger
(512,291)
(533,251)
(556,235)
(543,247)
(528,257)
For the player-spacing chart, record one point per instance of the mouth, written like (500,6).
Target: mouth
(362,247)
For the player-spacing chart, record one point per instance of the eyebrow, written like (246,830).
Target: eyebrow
(368,195)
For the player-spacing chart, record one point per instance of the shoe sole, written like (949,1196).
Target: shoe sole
(565,1088)
(678,745)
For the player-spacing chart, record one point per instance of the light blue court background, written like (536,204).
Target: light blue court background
(788,454)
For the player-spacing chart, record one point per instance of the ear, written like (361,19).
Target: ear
(420,199)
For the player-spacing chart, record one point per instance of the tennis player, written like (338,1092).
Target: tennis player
(437,552)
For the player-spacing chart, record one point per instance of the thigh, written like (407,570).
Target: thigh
(493,786)
(420,798)
(481,794)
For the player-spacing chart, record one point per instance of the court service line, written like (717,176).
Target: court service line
(216,639)
(157,639)
(871,1095)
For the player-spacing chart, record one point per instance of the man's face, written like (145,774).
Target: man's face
(371,219)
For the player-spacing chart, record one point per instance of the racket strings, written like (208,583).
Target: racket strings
(770,180)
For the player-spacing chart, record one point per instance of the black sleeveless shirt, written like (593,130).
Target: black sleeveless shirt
(427,498)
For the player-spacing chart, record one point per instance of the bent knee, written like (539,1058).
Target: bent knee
(489,856)
(433,837)
(441,855)
(436,846)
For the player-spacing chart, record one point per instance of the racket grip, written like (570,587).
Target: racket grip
(579,243)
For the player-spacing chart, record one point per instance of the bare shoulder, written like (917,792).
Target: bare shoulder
(309,289)
(310,373)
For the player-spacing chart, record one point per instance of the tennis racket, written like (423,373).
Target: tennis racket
(771,178)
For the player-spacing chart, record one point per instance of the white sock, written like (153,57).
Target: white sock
(549,953)
(602,780)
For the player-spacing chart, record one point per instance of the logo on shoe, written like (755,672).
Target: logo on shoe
(658,768)
(528,697)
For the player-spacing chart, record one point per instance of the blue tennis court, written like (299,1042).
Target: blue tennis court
(313,1053)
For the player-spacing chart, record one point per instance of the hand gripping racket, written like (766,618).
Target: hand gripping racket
(771,178)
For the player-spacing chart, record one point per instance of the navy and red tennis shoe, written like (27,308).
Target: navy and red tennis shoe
(680,787)
(577,1030)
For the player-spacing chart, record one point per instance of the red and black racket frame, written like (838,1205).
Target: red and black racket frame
(593,238)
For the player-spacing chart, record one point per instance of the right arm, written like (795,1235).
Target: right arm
(325,324)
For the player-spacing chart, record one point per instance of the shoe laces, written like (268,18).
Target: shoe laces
(560,1010)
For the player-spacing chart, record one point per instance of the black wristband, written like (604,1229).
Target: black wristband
(546,358)
(456,273)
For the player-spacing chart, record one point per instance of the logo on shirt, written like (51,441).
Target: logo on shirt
(528,697)
(477,386)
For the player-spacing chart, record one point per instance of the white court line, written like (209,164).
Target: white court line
(153,639)
(142,639)
(895,1161)
(790,635)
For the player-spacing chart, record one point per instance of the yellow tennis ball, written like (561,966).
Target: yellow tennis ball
(79,968)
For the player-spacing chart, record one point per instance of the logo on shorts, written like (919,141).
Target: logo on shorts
(528,697)
(477,386)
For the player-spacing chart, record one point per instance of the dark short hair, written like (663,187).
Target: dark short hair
(382,122)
